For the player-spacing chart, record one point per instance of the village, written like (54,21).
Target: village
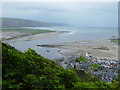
(105,69)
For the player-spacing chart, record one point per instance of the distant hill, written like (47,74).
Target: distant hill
(16,23)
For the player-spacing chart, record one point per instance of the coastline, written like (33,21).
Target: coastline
(11,36)
(102,48)
(98,48)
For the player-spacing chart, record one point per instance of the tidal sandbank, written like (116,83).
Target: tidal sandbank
(102,48)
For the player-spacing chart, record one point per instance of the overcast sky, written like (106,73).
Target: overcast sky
(77,14)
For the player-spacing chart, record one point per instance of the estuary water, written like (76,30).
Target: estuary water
(75,33)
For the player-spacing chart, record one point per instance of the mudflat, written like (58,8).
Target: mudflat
(102,48)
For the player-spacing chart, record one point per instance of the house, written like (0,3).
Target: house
(88,54)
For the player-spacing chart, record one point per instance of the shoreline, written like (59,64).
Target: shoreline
(28,37)
(102,48)
(98,48)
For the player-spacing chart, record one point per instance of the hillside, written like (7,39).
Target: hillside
(17,23)
(29,70)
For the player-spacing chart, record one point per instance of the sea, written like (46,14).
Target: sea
(75,33)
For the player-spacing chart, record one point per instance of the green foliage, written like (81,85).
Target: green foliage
(115,41)
(29,70)
(28,31)
(24,32)
(78,85)
(81,59)
(95,65)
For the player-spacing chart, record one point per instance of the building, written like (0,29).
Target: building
(88,54)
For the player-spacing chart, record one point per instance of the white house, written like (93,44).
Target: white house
(88,54)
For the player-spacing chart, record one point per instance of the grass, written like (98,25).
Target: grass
(82,59)
(26,32)
(115,41)
(31,31)
(95,65)
(14,37)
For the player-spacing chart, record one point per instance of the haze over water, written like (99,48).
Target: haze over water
(83,33)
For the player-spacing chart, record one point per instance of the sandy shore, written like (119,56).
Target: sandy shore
(102,48)
(99,48)
(43,36)
(8,35)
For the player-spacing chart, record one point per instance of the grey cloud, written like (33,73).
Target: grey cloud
(77,14)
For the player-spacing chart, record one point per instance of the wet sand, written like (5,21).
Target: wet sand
(102,48)
(43,36)
(95,49)
(7,35)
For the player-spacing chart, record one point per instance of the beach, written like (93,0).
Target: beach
(102,48)
(67,52)
(98,48)
(23,36)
